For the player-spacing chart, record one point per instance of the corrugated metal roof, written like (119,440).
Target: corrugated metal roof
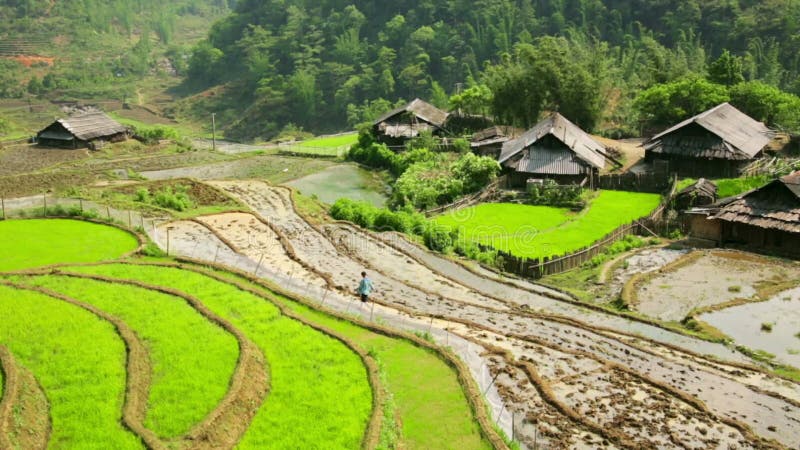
(744,137)
(584,147)
(549,161)
(420,108)
(92,126)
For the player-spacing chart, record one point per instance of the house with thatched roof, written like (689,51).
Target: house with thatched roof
(84,130)
(766,219)
(489,142)
(556,149)
(715,143)
(409,121)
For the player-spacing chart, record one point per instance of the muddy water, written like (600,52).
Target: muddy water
(343,181)
(711,280)
(743,324)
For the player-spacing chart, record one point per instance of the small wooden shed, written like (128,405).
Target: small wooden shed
(84,130)
(716,143)
(556,149)
(407,122)
(701,193)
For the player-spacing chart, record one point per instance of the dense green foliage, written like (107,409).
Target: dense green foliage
(314,379)
(330,64)
(26,244)
(99,48)
(435,236)
(175,198)
(192,358)
(78,359)
(665,104)
(426,179)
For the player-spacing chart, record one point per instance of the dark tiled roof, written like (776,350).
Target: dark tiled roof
(87,127)
(742,136)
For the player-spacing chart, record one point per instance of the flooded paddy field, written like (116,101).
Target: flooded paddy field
(708,279)
(343,181)
(772,326)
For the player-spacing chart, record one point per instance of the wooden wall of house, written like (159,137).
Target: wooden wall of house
(700,227)
(759,239)
(699,167)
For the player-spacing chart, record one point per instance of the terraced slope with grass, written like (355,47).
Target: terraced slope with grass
(192,359)
(32,243)
(79,360)
(315,379)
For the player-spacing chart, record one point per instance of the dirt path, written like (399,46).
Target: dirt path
(24,410)
(685,387)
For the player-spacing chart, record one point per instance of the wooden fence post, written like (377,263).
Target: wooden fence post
(3,200)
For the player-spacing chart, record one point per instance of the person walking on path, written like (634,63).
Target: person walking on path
(365,287)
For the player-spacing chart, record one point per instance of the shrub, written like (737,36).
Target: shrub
(550,193)
(438,238)
(157,133)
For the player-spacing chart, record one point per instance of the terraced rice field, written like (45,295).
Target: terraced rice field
(34,243)
(572,377)
(150,354)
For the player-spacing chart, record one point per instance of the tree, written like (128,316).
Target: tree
(545,76)
(767,104)
(666,104)
(727,70)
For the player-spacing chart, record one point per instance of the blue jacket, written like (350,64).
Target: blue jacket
(365,286)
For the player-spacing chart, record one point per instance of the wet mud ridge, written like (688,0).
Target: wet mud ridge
(569,377)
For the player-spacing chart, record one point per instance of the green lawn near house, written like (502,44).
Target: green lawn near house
(542,231)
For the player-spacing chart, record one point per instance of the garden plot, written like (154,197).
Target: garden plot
(705,280)
(724,396)
(253,238)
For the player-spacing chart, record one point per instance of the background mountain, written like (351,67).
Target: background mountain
(330,64)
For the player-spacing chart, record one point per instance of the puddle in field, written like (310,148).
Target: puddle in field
(343,181)
(743,324)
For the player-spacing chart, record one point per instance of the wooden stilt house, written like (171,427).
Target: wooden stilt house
(409,121)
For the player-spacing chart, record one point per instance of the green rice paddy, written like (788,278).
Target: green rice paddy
(78,359)
(341,140)
(192,359)
(319,394)
(315,379)
(540,231)
(26,244)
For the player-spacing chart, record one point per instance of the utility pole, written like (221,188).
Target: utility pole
(213,131)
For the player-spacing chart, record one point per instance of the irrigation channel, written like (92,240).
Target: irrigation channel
(555,374)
